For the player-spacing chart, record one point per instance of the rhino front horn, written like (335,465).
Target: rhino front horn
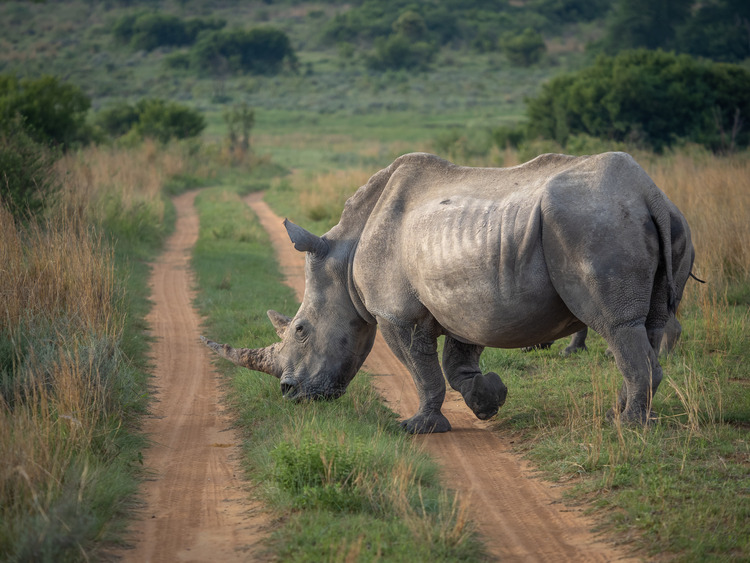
(305,241)
(257,359)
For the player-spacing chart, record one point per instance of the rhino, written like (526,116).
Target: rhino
(498,257)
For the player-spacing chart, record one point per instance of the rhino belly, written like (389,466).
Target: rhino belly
(501,321)
(478,267)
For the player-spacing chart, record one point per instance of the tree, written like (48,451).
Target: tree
(240,120)
(152,117)
(719,30)
(644,23)
(118,119)
(260,50)
(52,111)
(27,177)
(149,30)
(523,49)
(163,120)
(398,52)
(650,97)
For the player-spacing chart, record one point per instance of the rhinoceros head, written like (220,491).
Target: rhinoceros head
(323,346)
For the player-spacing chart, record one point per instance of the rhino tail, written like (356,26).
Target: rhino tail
(663,221)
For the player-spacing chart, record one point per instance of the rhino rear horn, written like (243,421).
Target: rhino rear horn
(257,359)
(280,322)
(305,241)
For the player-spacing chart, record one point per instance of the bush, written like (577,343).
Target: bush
(153,118)
(399,52)
(118,119)
(643,23)
(646,97)
(161,120)
(52,111)
(262,50)
(27,181)
(523,49)
(718,30)
(150,30)
(508,137)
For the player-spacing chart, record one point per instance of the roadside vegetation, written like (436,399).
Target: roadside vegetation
(160,97)
(73,369)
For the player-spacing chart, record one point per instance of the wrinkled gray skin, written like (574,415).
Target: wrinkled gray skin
(672,333)
(500,257)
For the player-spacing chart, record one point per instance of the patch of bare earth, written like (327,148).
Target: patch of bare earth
(521,518)
(197,507)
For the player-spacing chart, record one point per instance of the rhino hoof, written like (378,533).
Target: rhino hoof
(486,395)
(421,424)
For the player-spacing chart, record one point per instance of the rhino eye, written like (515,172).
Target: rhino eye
(299,331)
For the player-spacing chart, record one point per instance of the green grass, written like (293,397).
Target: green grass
(679,488)
(344,478)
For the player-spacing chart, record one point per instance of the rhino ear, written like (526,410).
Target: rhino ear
(279,321)
(305,241)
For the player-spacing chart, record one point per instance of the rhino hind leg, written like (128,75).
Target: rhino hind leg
(577,343)
(635,352)
(484,393)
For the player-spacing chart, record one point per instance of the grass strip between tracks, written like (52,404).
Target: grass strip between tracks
(345,480)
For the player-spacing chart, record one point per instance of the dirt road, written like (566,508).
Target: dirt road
(197,508)
(521,518)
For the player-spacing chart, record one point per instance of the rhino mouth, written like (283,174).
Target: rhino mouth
(296,394)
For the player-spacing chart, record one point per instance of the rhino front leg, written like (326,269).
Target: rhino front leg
(416,348)
(483,393)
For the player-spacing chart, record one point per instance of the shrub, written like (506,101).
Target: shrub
(643,23)
(508,137)
(150,30)
(52,111)
(523,49)
(153,118)
(399,52)
(154,30)
(647,97)
(718,30)
(162,120)
(571,11)
(118,119)
(261,50)
(27,181)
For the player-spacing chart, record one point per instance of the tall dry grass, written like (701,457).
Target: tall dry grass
(323,195)
(713,192)
(99,181)
(59,314)
(64,383)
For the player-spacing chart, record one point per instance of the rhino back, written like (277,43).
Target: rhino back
(463,245)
